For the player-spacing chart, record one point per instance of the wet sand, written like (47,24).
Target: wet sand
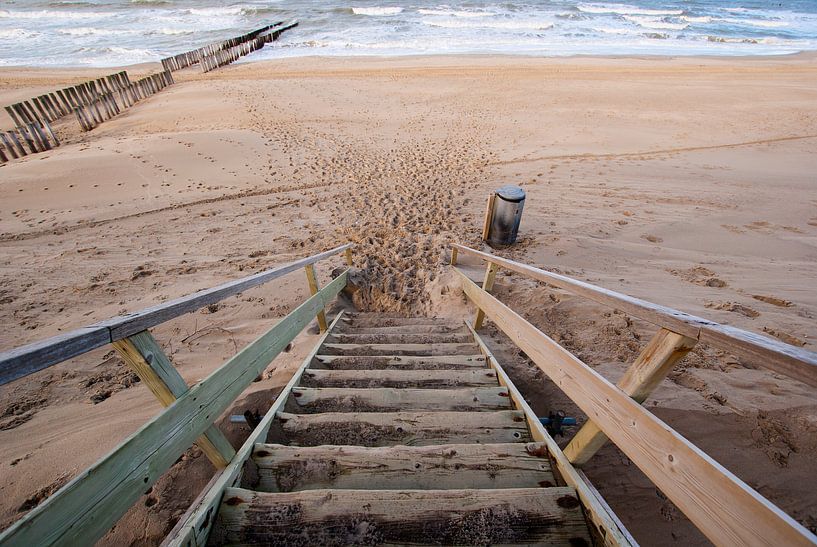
(688,182)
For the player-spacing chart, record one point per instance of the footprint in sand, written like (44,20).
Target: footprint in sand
(700,276)
(773,300)
(733,307)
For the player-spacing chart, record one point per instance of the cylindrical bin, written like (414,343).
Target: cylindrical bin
(506,215)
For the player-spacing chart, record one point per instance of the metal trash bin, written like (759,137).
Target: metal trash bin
(506,215)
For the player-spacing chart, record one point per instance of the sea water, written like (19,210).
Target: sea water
(118,32)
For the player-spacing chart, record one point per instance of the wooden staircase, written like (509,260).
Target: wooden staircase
(399,432)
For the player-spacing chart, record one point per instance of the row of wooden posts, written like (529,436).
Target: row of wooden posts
(106,107)
(221,53)
(92,102)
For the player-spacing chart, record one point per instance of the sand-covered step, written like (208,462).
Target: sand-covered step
(399,349)
(407,362)
(331,399)
(380,321)
(392,428)
(510,465)
(344,328)
(400,338)
(427,379)
(513,516)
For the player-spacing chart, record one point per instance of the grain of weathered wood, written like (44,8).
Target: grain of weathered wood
(194,526)
(83,510)
(397,338)
(487,285)
(509,465)
(377,362)
(513,516)
(651,366)
(24,360)
(489,215)
(427,379)
(399,349)
(754,348)
(607,527)
(407,329)
(312,280)
(143,355)
(691,479)
(390,428)
(477,399)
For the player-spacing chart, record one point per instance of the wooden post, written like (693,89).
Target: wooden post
(454,256)
(348,254)
(142,353)
(487,285)
(489,216)
(313,289)
(652,365)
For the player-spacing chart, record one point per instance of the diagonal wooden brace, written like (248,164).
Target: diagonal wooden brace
(652,365)
(487,285)
(142,353)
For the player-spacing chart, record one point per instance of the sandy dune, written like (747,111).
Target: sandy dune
(688,182)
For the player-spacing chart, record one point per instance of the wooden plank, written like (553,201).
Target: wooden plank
(426,379)
(404,329)
(651,366)
(487,285)
(607,527)
(348,253)
(31,358)
(143,355)
(454,257)
(399,349)
(513,516)
(692,480)
(377,320)
(83,510)
(753,348)
(477,399)
(411,362)
(400,338)
(19,362)
(312,279)
(489,215)
(508,465)
(194,527)
(416,428)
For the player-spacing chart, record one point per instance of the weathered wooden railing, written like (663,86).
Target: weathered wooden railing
(84,510)
(722,506)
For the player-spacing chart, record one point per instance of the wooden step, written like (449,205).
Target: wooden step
(542,516)
(332,399)
(510,465)
(379,321)
(399,349)
(427,379)
(407,362)
(391,428)
(402,329)
(400,338)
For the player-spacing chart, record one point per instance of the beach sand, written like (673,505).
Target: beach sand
(687,182)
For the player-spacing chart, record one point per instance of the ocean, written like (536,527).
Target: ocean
(117,32)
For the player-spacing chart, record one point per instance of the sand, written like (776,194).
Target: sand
(688,182)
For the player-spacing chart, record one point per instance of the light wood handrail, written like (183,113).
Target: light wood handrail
(755,348)
(25,360)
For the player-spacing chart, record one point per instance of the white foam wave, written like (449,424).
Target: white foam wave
(18,33)
(535,24)
(377,11)
(691,19)
(763,23)
(655,22)
(624,9)
(50,14)
(455,13)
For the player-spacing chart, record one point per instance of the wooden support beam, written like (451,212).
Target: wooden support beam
(454,256)
(142,353)
(312,279)
(722,506)
(348,253)
(487,285)
(652,365)
(489,215)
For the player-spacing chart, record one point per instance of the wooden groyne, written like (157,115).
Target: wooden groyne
(221,53)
